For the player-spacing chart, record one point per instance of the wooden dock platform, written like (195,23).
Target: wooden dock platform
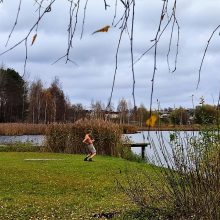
(142,145)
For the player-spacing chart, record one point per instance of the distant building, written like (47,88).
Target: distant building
(111,115)
(164,116)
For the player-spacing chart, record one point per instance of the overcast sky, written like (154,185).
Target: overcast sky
(92,77)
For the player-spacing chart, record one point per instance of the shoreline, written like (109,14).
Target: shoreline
(171,128)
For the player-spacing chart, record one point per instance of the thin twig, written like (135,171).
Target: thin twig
(71,30)
(115,13)
(175,22)
(155,58)
(106,5)
(123,28)
(177,45)
(170,43)
(26,57)
(26,37)
(132,54)
(16,21)
(115,72)
(155,42)
(204,54)
(28,34)
(84,17)
(123,3)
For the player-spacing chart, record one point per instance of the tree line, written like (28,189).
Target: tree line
(21,101)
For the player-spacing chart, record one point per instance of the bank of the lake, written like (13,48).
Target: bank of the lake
(61,186)
(193,127)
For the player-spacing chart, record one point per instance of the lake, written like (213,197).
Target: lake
(160,144)
(37,140)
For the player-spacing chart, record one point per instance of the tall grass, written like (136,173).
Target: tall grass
(22,129)
(190,175)
(68,138)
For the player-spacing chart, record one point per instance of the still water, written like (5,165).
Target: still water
(160,143)
(37,140)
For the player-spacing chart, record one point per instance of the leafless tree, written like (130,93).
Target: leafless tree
(123,110)
(98,110)
(35,101)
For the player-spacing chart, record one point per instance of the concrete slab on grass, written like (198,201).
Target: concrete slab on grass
(43,159)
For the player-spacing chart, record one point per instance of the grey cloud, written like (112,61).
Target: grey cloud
(92,77)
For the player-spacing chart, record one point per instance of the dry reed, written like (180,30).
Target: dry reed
(22,129)
(68,138)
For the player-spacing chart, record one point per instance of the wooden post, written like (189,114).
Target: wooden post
(143,152)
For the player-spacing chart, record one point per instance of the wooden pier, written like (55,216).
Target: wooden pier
(142,145)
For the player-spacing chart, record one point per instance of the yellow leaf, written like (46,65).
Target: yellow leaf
(151,121)
(33,39)
(104,29)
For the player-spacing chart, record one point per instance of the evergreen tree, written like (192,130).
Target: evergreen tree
(13,96)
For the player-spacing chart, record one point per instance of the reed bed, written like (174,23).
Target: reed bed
(22,129)
(67,138)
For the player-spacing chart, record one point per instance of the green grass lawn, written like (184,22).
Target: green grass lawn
(68,188)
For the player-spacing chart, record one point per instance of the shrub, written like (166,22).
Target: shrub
(206,114)
(179,116)
(68,137)
(189,179)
